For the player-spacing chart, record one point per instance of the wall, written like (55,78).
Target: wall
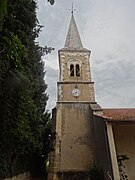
(86,89)
(124,136)
(73,145)
(67,83)
(101,146)
(76,138)
(24,176)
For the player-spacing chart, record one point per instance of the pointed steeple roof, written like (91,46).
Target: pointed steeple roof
(73,40)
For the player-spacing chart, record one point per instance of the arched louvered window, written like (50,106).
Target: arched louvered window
(77,70)
(71,70)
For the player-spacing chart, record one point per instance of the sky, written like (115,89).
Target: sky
(107,29)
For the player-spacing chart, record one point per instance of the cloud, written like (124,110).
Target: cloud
(51,79)
(107,29)
(114,83)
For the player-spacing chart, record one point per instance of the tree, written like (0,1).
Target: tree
(3,11)
(23,99)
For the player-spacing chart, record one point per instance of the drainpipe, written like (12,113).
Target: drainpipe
(112,149)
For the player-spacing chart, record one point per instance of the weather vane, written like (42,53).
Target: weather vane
(72,9)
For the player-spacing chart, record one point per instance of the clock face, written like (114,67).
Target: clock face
(76,92)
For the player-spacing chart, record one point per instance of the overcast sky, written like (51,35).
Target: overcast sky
(107,28)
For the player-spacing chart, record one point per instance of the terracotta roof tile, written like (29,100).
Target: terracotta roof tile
(119,114)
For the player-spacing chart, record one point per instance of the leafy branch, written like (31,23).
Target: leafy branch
(121,159)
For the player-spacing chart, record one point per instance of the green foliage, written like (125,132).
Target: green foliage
(12,51)
(121,159)
(24,123)
(3,11)
(95,172)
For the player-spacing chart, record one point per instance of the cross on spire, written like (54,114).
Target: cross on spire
(72,9)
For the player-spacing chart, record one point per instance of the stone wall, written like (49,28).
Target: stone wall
(73,151)
(76,148)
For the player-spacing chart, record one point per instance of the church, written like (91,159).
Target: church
(83,132)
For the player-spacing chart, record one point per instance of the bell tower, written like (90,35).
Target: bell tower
(75,83)
(72,147)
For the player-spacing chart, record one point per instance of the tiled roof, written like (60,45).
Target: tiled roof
(120,114)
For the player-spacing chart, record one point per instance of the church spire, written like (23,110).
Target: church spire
(73,40)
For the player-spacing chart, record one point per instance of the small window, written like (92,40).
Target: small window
(77,70)
(71,70)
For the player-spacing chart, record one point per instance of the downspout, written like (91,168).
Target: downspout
(112,150)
